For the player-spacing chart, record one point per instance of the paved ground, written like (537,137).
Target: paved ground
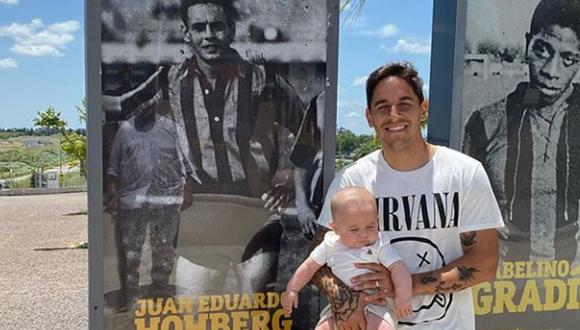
(43,285)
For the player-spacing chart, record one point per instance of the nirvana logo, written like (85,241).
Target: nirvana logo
(418,212)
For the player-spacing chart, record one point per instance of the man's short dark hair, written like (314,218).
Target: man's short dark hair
(403,70)
(565,13)
(228,5)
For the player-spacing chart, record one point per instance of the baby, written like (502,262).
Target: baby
(355,239)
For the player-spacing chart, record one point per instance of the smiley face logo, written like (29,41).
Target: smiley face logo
(422,255)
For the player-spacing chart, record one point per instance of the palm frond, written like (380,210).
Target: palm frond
(352,9)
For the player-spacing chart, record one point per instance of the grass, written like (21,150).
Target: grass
(20,155)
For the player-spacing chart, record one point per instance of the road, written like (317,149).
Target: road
(42,285)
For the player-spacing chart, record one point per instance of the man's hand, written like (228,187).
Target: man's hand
(378,279)
(307,220)
(281,192)
(289,301)
(109,203)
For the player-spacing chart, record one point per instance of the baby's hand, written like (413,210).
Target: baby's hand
(289,300)
(403,307)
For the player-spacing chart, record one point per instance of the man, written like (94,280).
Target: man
(528,141)
(236,119)
(435,203)
(146,176)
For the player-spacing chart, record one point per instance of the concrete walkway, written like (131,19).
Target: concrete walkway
(43,283)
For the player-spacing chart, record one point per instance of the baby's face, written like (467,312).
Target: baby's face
(357,229)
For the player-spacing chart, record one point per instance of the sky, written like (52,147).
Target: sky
(42,55)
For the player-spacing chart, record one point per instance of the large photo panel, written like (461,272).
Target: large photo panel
(212,159)
(520,116)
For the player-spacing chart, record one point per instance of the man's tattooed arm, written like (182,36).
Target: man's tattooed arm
(465,275)
(343,300)
(468,239)
(478,264)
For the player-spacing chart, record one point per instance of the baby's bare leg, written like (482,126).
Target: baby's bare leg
(327,324)
(376,323)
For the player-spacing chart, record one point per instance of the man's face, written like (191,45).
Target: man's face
(554,59)
(396,114)
(208,32)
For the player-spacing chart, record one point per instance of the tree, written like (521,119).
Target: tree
(366,145)
(71,142)
(346,142)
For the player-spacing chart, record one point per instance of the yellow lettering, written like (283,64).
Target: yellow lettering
(142,310)
(169,307)
(519,269)
(219,321)
(508,270)
(260,320)
(550,268)
(563,268)
(276,321)
(155,306)
(273,299)
(573,285)
(530,273)
(245,302)
(185,305)
(240,320)
(203,306)
(153,324)
(530,296)
(191,324)
(259,301)
(551,285)
(232,302)
(172,322)
(216,303)
(482,298)
(505,292)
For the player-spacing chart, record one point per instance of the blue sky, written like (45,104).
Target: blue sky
(42,55)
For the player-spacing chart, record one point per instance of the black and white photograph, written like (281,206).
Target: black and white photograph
(520,117)
(212,155)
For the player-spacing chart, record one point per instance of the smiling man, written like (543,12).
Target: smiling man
(528,141)
(435,203)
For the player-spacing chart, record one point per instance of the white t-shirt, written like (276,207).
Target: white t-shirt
(424,211)
(341,258)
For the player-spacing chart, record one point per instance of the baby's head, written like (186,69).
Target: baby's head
(354,216)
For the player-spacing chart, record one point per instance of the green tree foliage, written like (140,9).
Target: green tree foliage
(73,143)
(367,144)
(346,142)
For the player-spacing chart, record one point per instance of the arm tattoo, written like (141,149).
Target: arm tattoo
(428,278)
(466,273)
(342,299)
(468,239)
(440,288)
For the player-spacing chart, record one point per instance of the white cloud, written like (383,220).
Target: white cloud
(360,81)
(384,31)
(405,46)
(353,114)
(38,39)
(426,90)
(8,63)
(9,2)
